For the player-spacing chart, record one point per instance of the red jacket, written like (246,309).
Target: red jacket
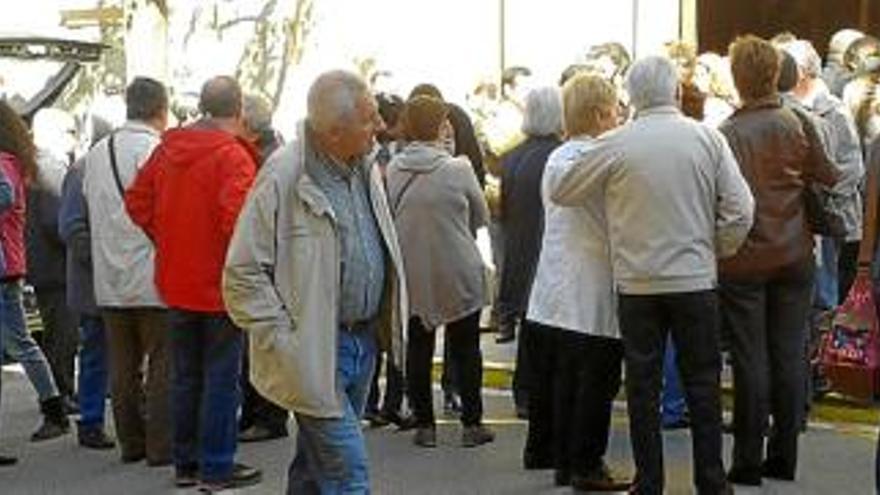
(12,220)
(187,197)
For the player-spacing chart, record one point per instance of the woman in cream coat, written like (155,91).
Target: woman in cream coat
(572,312)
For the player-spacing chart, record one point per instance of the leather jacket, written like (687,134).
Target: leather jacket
(777,160)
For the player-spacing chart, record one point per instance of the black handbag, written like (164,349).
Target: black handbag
(823,216)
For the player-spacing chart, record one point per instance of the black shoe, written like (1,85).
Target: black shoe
(774,470)
(94,438)
(425,436)
(474,436)
(6,460)
(505,337)
(242,476)
(748,477)
(678,424)
(562,477)
(69,405)
(375,419)
(599,480)
(133,457)
(258,433)
(403,422)
(186,477)
(51,429)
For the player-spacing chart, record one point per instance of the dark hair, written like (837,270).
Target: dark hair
(788,73)
(390,108)
(221,97)
(145,99)
(511,74)
(425,89)
(423,116)
(15,139)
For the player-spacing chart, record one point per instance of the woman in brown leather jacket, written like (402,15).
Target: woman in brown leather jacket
(766,288)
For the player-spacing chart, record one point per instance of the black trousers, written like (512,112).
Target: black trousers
(256,409)
(392,401)
(587,378)
(464,352)
(60,341)
(767,319)
(847,265)
(692,319)
(539,344)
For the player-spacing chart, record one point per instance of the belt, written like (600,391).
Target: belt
(356,326)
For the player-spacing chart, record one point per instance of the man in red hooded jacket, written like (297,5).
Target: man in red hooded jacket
(187,198)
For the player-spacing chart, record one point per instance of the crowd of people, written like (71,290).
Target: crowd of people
(643,217)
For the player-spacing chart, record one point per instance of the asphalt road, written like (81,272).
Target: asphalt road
(834,460)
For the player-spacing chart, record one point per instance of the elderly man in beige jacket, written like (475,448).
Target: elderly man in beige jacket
(313,266)
(675,202)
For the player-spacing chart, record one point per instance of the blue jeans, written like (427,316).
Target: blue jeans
(331,456)
(826,293)
(92,383)
(19,343)
(673,406)
(206,353)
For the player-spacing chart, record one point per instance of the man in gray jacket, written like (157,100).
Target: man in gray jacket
(675,202)
(123,263)
(313,266)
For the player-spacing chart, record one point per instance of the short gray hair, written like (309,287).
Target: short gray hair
(256,112)
(333,98)
(804,53)
(652,82)
(543,112)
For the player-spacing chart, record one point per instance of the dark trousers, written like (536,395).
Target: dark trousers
(206,350)
(141,410)
(523,372)
(392,400)
(645,322)
(93,372)
(464,353)
(847,265)
(60,336)
(256,409)
(539,343)
(587,380)
(767,319)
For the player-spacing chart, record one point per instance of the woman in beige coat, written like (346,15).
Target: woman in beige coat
(437,206)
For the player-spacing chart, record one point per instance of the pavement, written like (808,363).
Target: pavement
(834,460)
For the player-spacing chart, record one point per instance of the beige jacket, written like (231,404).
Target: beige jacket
(281,284)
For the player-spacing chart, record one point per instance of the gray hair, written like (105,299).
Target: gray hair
(256,112)
(804,53)
(543,112)
(333,98)
(652,82)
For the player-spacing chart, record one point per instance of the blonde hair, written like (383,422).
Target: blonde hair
(585,99)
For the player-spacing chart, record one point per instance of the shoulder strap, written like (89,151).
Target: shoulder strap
(112,150)
(402,193)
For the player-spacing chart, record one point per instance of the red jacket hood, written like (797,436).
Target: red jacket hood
(188,146)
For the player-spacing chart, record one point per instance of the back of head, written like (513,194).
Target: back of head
(425,89)
(543,112)
(755,66)
(257,113)
(840,43)
(584,98)
(333,99)
(651,82)
(863,55)
(423,117)
(805,56)
(221,98)
(145,99)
